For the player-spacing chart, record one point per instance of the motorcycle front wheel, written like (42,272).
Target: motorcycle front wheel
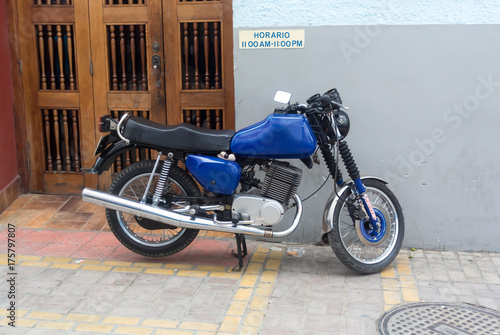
(356,243)
(143,236)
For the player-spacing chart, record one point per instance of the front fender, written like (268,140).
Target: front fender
(335,198)
(109,155)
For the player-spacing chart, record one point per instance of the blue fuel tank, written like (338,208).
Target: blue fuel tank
(214,174)
(283,136)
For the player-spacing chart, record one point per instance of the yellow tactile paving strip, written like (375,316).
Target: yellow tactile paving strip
(243,316)
(399,282)
(183,270)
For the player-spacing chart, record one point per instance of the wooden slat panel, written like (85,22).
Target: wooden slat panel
(138,101)
(202,99)
(53,14)
(200,12)
(186,49)
(125,14)
(58,100)
(63,183)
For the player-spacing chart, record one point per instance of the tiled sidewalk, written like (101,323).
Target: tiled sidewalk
(73,277)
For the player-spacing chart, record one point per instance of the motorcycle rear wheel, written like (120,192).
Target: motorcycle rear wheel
(356,244)
(131,183)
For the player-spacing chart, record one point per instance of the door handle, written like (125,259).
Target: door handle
(157,69)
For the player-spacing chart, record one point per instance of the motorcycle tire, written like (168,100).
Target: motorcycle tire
(131,183)
(355,243)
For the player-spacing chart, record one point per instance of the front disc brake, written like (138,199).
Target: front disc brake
(362,231)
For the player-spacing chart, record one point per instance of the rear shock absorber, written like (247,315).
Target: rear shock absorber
(162,180)
(331,163)
(349,162)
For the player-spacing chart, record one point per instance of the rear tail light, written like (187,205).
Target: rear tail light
(106,124)
(103,123)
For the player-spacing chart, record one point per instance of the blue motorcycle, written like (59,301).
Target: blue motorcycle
(243,183)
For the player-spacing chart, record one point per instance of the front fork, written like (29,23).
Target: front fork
(367,205)
(353,172)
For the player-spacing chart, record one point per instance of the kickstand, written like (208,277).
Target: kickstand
(241,245)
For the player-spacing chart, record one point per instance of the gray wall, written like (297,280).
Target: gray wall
(424,107)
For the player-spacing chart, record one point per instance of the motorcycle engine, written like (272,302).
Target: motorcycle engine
(281,182)
(280,185)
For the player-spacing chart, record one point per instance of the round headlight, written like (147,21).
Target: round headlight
(343,122)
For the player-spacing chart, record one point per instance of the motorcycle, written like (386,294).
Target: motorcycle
(243,183)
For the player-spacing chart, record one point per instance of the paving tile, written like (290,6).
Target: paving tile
(21,201)
(118,320)
(388,272)
(90,318)
(157,323)
(42,205)
(243,294)
(6,215)
(94,328)
(198,326)
(72,204)
(50,198)
(230,324)
(248,280)
(96,268)
(237,308)
(166,272)
(55,325)
(27,218)
(90,208)
(64,224)
(258,257)
(127,269)
(173,332)
(188,273)
(259,303)
(269,276)
(133,330)
(44,316)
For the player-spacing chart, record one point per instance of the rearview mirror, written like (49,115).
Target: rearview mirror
(282,97)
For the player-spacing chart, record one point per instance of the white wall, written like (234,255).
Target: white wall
(269,13)
(425,110)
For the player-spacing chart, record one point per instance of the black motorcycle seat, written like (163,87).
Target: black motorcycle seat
(182,137)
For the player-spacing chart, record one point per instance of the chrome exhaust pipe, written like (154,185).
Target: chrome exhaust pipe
(183,221)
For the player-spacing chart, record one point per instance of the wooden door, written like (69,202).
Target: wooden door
(128,65)
(54,41)
(166,60)
(199,62)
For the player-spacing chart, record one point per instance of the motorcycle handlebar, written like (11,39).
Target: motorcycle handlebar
(325,103)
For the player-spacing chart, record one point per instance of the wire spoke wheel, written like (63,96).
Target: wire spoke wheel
(134,189)
(357,243)
(144,236)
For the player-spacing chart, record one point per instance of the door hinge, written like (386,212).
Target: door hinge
(91,68)
(29,164)
(21,66)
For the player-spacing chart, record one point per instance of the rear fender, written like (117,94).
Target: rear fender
(335,198)
(109,155)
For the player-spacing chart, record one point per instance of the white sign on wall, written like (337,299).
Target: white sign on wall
(272,39)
